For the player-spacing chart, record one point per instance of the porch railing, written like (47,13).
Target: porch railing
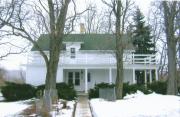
(99,59)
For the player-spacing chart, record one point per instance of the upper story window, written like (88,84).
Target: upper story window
(73,53)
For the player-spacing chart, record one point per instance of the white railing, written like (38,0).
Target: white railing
(99,59)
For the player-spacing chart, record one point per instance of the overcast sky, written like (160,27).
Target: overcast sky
(14,61)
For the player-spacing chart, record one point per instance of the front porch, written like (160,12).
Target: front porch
(84,79)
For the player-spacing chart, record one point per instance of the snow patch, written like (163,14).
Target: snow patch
(9,109)
(138,105)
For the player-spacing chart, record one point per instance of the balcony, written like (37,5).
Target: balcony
(98,59)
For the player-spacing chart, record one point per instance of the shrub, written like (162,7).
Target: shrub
(128,89)
(94,93)
(14,92)
(64,90)
(158,87)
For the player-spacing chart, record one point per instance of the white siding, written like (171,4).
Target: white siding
(128,75)
(98,76)
(60,75)
(35,75)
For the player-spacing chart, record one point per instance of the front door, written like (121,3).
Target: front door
(75,79)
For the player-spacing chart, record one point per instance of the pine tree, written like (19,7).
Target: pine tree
(142,38)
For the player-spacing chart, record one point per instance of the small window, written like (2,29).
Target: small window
(89,77)
(73,52)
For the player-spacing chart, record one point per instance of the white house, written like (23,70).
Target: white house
(89,59)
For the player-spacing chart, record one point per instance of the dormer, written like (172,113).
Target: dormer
(76,45)
(72,47)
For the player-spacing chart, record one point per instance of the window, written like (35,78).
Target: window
(77,78)
(73,52)
(70,78)
(89,77)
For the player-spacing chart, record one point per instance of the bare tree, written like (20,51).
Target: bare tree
(155,20)
(34,18)
(97,21)
(120,11)
(170,11)
(7,10)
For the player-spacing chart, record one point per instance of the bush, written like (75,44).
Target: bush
(14,92)
(129,89)
(94,93)
(64,90)
(158,87)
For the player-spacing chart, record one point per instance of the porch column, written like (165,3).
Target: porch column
(156,75)
(145,77)
(86,84)
(150,75)
(134,80)
(110,76)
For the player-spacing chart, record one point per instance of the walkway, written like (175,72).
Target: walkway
(82,108)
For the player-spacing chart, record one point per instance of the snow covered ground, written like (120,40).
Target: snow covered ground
(12,109)
(138,105)
(65,112)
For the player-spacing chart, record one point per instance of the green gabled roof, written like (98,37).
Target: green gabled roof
(89,41)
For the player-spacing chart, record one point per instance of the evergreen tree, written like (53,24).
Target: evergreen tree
(142,38)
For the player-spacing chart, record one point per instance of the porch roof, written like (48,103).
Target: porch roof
(89,41)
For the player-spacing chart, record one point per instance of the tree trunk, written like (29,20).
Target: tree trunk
(50,94)
(169,22)
(172,71)
(119,78)
(57,24)
(119,53)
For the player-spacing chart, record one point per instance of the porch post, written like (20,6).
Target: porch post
(150,75)
(86,85)
(157,75)
(145,77)
(110,76)
(134,80)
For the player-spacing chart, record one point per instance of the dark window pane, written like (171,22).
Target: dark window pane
(73,52)
(89,77)
(77,78)
(70,78)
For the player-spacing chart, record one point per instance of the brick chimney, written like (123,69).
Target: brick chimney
(82,28)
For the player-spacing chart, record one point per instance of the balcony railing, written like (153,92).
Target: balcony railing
(99,59)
